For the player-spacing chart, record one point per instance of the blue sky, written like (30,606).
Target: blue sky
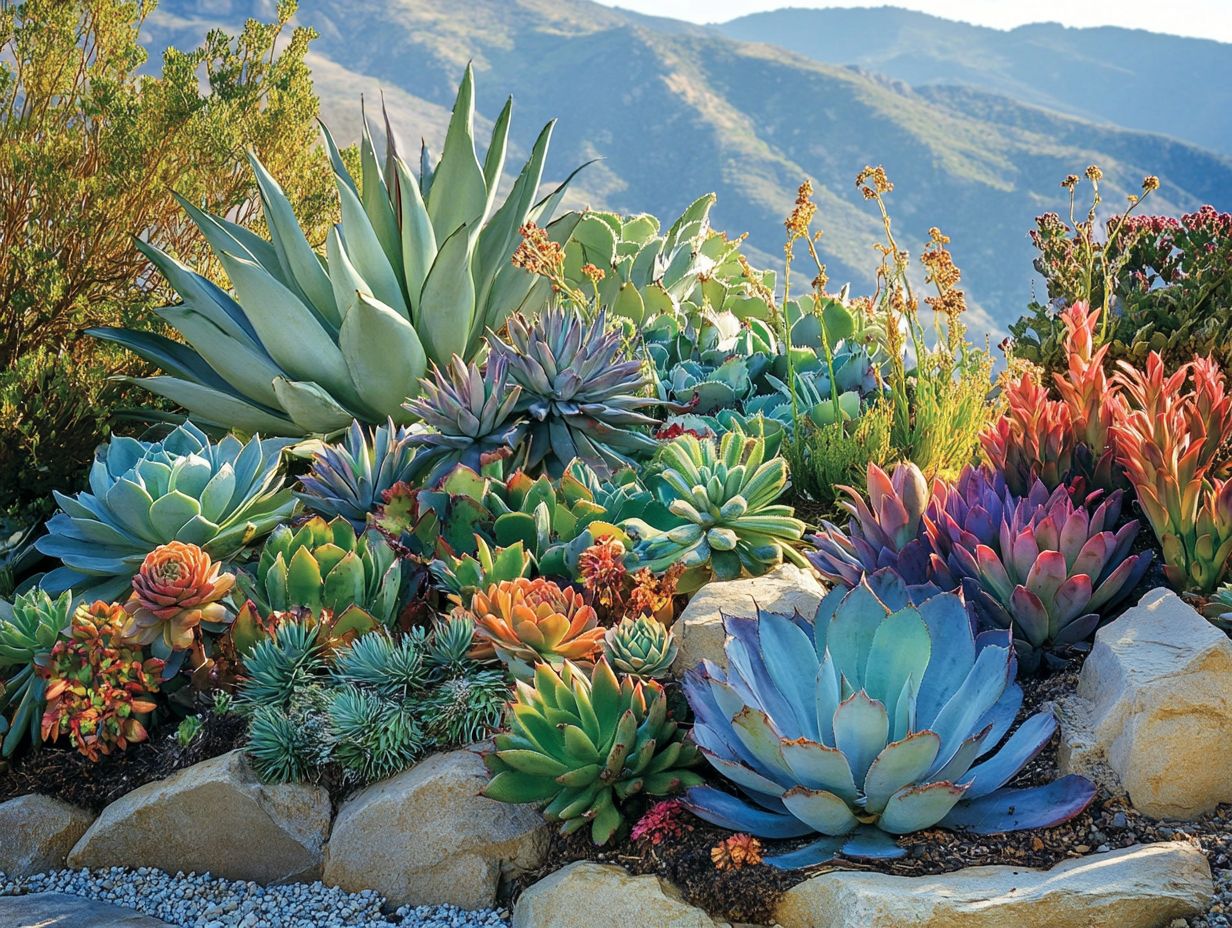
(1208,19)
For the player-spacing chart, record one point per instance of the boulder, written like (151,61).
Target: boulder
(61,910)
(699,629)
(588,895)
(1146,886)
(38,833)
(1153,708)
(215,816)
(426,836)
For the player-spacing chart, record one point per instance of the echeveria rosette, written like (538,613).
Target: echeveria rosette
(472,415)
(644,647)
(529,622)
(1055,567)
(177,589)
(722,519)
(969,512)
(886,531)
(30,626)
(875,719)
(350,479)
(221,496)
(580,393)
(580,744)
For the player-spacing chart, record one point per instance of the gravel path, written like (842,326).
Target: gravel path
(202,901)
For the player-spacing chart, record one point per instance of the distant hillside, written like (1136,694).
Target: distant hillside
(675,111)
(1127,77)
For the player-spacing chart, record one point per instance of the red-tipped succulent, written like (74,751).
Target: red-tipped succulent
(98,684)
(1169,436)
(1055,566)
(1033,439)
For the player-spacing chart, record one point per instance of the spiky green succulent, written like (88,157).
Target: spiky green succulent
(727,523)
(381,663)
(579,747)
(874,719)
(289,659)
(466,708)
(221,496)
(325,565)
(580,392)
(644,647)
(371,737)
(350,479)
(29,629)
(291,743)
(417,271)
(472,412)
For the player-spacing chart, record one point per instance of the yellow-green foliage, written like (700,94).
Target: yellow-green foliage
(94,151)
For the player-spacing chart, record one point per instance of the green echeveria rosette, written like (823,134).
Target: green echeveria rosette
(577,747)
(580,393)
(644,647)
(721,500)
(221,496)
(874,719)
(29,629)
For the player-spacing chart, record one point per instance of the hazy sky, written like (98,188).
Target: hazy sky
(1208,19)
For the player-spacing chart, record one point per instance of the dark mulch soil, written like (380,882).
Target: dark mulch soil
(750,894)
(64,774)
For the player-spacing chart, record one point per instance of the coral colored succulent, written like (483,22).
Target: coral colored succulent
(1033,439)
(1055,567)
(1169,437)
(178,588)
(736,851)
(97,684)
(1085,389)
(529,622)
(887,531)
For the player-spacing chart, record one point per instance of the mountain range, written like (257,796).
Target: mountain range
(976,127)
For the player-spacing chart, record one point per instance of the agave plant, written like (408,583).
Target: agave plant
(875,719)
(144,494)
(578,747)
(528,622)
(728,523)
(472,414)
(350,479)
(29,629)
(579,394)
(1055,567)
(326,565)
(643,647)
(418,270)
(887,531)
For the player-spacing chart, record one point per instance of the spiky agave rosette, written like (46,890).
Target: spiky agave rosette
(875,719)
(579,392)
(350,479)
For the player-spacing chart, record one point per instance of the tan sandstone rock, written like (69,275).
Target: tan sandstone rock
(699,630)
(426,836)
(588,895)
(1154,708)
(215,816)
(1145,886)
(37,832)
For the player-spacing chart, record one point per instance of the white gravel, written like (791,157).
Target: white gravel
(198,900)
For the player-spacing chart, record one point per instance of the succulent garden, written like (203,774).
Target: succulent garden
(453,480)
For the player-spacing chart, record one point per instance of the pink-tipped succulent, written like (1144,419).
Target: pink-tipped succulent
(1056,565)
(1033,439)
(967,513)
(1169,435)
(1092,400)
(885,531)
